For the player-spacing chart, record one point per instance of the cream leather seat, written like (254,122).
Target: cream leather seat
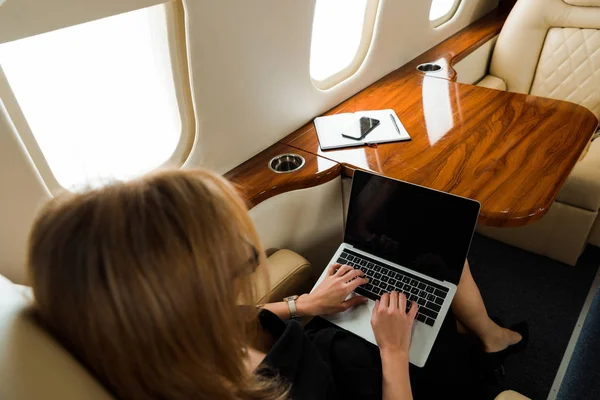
(551,48)
(32,364)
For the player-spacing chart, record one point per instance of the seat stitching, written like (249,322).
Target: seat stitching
(574,88)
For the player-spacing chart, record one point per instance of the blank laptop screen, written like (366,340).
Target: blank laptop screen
(419,228)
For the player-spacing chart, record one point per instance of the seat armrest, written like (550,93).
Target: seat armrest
(32,364)
(492,82)
(582,189)
(289,273)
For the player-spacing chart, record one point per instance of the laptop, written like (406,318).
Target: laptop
(407,238)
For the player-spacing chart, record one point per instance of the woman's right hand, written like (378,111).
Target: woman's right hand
(391,323)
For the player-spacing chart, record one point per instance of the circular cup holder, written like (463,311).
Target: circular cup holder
(429,67)
(285,163)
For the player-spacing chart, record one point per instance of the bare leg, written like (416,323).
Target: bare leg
(460,327)
(469,309)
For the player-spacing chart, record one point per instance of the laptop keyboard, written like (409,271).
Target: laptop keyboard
(383,279)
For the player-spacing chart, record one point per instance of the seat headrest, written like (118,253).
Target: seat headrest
(32,364)
(583,3)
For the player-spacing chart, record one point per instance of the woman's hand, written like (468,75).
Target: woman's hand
(392,325)
(330,296)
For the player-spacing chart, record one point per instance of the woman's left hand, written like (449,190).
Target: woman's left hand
(330,296)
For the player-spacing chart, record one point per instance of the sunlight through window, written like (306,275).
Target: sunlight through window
(99,97)
(337,32)
(437,109)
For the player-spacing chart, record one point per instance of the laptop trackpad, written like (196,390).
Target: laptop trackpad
(356,320)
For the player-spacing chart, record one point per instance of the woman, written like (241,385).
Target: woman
(143,282)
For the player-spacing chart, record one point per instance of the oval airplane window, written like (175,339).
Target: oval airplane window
(442,11)
(341,36)
(98,98)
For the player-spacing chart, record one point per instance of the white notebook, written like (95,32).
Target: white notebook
(330,128)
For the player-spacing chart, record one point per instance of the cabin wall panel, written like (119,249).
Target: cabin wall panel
(249,63)
(307,221)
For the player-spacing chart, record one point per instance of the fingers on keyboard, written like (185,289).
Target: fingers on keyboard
(382,280)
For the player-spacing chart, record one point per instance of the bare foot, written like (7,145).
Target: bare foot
(501,339)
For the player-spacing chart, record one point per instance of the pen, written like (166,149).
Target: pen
(395,124)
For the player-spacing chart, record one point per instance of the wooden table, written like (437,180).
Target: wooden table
(511,152)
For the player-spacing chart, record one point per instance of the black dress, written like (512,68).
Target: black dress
(323,361)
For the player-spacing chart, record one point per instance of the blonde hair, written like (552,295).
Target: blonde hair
(143,280)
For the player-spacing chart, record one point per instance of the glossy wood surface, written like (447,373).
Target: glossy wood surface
(511,152)
(256,182)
